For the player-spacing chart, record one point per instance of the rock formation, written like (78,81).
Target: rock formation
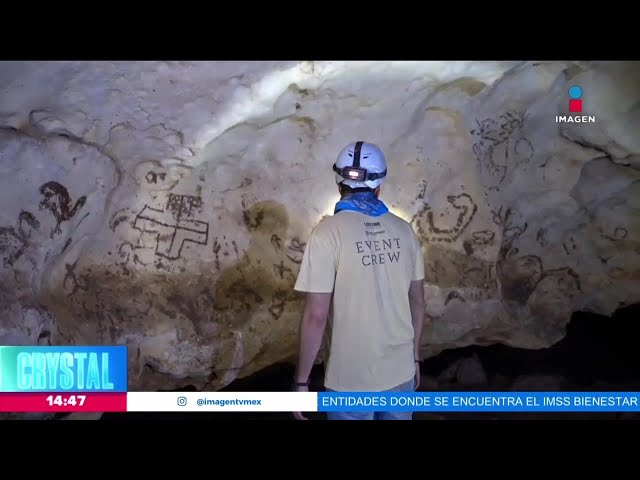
(166,206)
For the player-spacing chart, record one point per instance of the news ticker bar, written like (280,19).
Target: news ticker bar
(95,379)
(321,402)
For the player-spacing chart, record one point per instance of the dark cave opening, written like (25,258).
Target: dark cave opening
(598,353)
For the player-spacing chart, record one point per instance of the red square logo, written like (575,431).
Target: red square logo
(575,105)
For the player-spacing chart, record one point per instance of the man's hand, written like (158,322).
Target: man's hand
(298,415)
(417,378)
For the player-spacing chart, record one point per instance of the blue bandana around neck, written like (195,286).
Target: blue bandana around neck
(363,202)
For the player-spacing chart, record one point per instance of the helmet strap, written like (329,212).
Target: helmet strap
(356,154)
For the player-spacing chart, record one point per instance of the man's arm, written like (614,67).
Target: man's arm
(312,327)
(416,297)
(416,303)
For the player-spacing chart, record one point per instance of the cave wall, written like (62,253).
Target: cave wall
(166,205)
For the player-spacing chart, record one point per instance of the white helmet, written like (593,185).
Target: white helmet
(360,165)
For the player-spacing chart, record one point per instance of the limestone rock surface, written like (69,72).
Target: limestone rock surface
(166,205)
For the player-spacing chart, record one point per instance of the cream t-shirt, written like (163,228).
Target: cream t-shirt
(368,263)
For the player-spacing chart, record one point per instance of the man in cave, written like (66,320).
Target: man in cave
(362,273)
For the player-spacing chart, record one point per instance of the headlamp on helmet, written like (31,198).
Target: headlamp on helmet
(358,174)
(359,165)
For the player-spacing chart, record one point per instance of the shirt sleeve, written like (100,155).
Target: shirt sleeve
(317,272)
(418,266)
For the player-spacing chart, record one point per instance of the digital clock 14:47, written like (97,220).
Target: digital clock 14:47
(66,400)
